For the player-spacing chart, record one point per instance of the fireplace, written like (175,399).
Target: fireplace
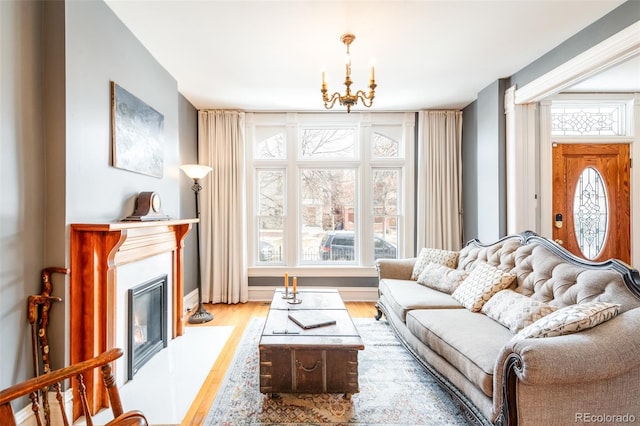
(146,322)
(106,259)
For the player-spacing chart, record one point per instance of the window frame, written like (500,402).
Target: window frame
(363,162)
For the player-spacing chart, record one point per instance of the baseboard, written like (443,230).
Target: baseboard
(348,294)
(190,301)
(25,417)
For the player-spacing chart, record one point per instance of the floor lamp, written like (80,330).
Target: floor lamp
(197,172)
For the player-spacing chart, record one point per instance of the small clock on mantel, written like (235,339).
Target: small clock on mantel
(148,207)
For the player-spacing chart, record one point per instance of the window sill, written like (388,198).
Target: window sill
(314,271)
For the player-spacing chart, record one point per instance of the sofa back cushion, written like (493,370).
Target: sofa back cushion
(500,254)
(548,277)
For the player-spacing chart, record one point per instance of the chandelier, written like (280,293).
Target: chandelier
(348,99)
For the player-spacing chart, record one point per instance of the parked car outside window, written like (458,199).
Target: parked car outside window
(339,245)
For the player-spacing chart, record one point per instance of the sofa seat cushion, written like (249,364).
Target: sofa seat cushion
(470,341)
(401,296)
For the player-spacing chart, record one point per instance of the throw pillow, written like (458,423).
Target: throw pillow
(431,255)
(514,310)
(441,277)
(483,282)
(570,319)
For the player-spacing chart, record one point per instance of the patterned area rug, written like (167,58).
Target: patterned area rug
(394,389)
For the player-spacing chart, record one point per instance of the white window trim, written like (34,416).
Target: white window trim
(363,122)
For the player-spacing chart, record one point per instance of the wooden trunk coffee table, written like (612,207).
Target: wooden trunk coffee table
(315,360)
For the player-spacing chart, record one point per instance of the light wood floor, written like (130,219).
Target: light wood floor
(239,316)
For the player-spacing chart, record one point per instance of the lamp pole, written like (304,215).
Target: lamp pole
(197,172)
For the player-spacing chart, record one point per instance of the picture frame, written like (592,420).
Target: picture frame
(137,132)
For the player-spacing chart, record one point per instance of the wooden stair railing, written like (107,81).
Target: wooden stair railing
(53,380)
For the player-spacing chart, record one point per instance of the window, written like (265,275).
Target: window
(588,119)
(270,214)
(327,188)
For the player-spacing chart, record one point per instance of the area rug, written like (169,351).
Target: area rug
(394,389)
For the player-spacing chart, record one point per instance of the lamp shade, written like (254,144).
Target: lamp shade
(196,171)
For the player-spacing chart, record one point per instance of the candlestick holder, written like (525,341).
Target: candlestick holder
(287,295)
(294,300)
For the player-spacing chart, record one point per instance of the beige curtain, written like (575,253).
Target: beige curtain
(439,171)
(223,225)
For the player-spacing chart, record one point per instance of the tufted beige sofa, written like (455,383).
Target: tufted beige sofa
(591,376)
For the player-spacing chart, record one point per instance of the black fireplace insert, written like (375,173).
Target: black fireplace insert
(147,322)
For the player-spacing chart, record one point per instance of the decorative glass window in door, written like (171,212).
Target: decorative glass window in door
(602,119)
(590,213)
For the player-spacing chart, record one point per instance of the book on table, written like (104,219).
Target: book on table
(311,319)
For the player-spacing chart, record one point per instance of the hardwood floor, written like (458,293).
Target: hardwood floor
(239,316)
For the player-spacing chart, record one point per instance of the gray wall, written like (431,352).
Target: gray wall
(188,155)
(469,172)
(58,59)
(491,163)
(484,183)
(101,49)
(22,174)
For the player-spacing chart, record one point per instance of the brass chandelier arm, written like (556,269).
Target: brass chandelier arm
(367,98)
(330,102)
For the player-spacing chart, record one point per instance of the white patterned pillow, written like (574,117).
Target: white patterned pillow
(514,310)
(441,277)
(483,282)
(570,319)
(431,255)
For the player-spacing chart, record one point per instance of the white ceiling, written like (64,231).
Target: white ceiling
(267,55)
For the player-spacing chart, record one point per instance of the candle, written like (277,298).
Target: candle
(372,62)
(295,285)
(324,78)
(286,281)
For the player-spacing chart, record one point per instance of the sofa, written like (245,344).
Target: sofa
(520,331)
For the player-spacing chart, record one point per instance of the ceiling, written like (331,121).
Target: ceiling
(267,55)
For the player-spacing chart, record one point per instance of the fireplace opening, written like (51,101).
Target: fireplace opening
(147,322)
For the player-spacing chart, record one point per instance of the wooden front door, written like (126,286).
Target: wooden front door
(591,200)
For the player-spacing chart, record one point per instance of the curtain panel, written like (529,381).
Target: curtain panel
(439,180)
(221,145)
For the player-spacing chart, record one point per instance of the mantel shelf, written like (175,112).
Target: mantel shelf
(117,226)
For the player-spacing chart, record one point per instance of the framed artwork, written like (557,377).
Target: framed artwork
(137,133)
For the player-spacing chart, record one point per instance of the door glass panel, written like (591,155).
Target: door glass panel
(590,213)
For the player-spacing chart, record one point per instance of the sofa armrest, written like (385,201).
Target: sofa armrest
(607,350)
(399,269)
